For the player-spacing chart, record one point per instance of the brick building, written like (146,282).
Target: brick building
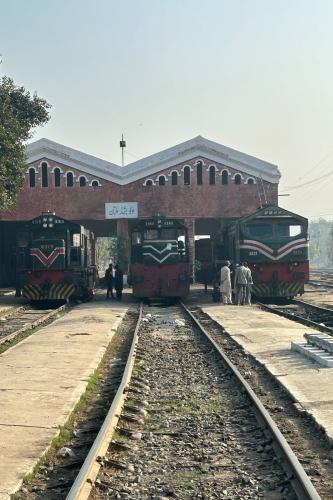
(201,182)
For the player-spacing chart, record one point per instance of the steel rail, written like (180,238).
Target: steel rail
(85,479)
(297,476)
(30,326)
(300,319)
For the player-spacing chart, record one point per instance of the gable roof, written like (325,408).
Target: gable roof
(197,147)
(267,211)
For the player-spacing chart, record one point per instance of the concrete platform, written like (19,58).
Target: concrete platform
(41,380)
(268,338)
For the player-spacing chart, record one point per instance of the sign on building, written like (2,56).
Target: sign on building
(126,210)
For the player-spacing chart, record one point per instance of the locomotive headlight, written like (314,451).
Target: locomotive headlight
(50,224)
(44,225)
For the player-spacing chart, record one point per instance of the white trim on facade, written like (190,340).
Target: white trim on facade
(197,147)
(145,182)
(95,180)
(237,173)
(69,172)
(176,171)
(31,166)
(248,178)
(59,168)
(84,176)
(161,175)
(225,170)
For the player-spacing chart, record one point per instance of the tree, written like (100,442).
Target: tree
(20,113)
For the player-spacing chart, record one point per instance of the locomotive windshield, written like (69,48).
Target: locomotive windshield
(271,230)
(288,229)
(260,230)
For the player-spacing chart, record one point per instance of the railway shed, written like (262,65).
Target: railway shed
(202,183)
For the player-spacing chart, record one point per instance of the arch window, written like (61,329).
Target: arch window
(32,177)
(82,181)
(224,177)
(250,180)
(187,176)
(161,180)
(57,179)
(70,179)
(199,173)
(212,175)
(148,183)
(174,178)
(45,181)
(238,179)
(94,183)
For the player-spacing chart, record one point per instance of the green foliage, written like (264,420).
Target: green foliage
(20,113)
(113,250)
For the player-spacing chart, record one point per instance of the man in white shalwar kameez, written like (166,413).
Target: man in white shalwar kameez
(225,283)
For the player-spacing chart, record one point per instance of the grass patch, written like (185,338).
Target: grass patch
(65,434)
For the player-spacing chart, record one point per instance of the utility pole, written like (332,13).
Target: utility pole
(123,146)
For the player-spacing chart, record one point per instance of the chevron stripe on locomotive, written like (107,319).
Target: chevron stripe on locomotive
(159,259)
(274,242)
(55,260)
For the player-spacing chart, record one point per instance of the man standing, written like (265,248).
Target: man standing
(118,282)
(248,285)
(225,283)
(240,283)
(109,281)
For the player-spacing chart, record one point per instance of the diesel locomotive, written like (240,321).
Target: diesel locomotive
(159,264)
(55,259)
(274,242)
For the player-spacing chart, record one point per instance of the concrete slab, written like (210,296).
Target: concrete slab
(41,380)
(268,338)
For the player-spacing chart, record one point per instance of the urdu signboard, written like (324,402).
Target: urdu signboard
(125,210)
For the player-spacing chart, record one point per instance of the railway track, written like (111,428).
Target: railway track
(321,278)
(308,314)
(18,321)
(185,424)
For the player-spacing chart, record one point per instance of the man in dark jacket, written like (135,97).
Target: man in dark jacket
(118,282)
(109,281)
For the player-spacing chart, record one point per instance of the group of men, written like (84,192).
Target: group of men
(114,281)
(242,284)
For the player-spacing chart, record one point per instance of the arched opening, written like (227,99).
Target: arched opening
(224,177)
(45,181)
(199,173)
(212,174)
(70,179)
(238,179)
(187,176)
(32,177)
(250,180)
(94,184)
(82,181)
(149,182)
(57,178)
(174,178)
(161,180)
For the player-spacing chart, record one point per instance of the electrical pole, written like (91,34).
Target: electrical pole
(123,146)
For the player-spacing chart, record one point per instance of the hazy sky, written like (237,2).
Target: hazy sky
(255,75)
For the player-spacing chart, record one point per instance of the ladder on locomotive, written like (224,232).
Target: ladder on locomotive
(261,192)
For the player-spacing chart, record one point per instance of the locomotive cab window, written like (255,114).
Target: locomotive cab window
(136,238)
(150,234)
(288,230)
(259,230)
